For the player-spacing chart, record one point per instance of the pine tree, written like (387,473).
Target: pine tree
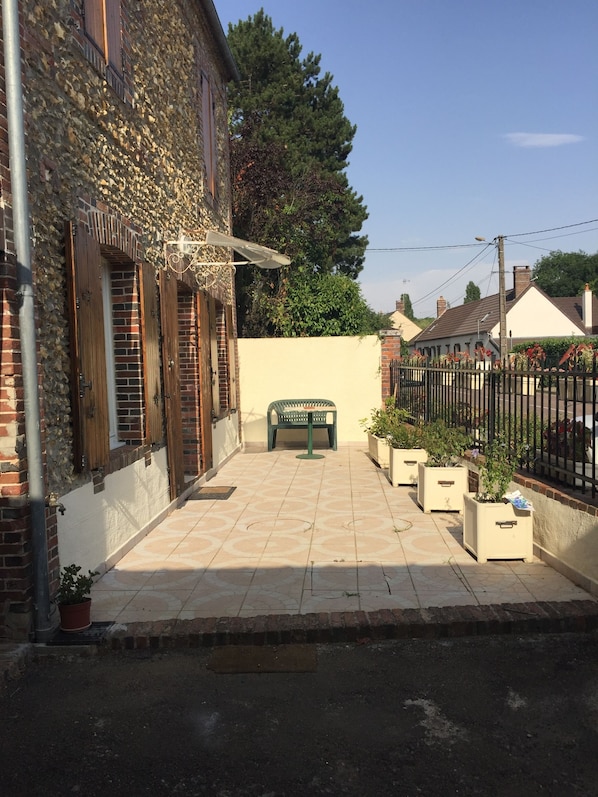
(290,143)
(408,307)
(472,293)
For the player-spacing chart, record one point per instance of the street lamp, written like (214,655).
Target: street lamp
(502,299)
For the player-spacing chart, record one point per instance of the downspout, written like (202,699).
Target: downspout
(18,178)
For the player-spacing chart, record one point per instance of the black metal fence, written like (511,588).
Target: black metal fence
(551,415)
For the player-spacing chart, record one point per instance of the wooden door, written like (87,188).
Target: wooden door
(169,316)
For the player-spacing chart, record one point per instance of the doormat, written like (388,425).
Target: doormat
(266,658)
(93,635)
(208,493)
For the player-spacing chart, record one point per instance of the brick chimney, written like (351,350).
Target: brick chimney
(440,306)
(522,276)
(586,308)
(401,306)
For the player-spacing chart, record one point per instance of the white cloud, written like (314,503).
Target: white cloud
(542,139)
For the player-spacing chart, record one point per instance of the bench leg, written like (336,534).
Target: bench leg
(332,437)
(271,439)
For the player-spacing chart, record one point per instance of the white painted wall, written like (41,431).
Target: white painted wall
(566,538)
(345,370)
(225,438)
(97,528)
(534,316)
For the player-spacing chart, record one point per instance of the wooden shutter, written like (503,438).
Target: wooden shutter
(150,344)
(172,381)
(205,382)
(94,22)
(103,27)
(232,359)
(88,356)
(209,133)
(113,35)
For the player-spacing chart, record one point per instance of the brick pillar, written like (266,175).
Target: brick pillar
(390,350)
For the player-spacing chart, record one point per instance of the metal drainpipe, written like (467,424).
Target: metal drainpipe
(18,178)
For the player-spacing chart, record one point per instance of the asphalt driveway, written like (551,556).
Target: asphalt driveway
(472,716)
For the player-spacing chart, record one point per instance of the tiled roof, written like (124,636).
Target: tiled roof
(463,319)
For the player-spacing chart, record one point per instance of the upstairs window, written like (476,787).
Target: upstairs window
(208,131)
(103,28)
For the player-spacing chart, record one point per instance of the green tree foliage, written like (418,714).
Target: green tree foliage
(319,305)
(472,293)
(566,273)
(290,143)
(408,307)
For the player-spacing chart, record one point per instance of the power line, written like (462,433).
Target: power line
(421,248)
(552,229)
(468,246)
(469,264)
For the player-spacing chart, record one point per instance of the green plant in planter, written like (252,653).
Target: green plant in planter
(383,421)
(406,435)
(74,586)
(501,458)
(444,444)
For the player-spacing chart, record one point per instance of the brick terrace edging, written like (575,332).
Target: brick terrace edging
(358,627)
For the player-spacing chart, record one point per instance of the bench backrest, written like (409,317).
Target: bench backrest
(292,410)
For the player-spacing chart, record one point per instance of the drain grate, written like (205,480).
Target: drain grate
(212,494)
(93,635)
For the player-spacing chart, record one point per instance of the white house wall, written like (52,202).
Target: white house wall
(225,439)
(96,529)
(345,370)
(534,316)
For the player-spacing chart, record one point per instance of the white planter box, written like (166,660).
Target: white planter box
(403,465)
(379,450)
(441,489)
(497,531)
(526,385)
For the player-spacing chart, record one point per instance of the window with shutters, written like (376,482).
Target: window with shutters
(224,382)
(114,350)
(208,133)
(113,434)
(102,20)
(105,42)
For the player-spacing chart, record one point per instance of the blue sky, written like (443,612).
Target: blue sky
(474,118)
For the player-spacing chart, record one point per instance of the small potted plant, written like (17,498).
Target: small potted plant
(74,598)
(442,479)
(406,452)
(497,524)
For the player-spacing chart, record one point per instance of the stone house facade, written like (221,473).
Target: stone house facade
(126,141)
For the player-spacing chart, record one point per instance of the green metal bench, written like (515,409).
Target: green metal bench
(292,414)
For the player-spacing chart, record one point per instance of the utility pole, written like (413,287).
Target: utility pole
(502,299)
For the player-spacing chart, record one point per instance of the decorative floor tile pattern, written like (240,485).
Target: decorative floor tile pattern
(300,536)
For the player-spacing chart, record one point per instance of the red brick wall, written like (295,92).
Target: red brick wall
(391,350)
(189,369)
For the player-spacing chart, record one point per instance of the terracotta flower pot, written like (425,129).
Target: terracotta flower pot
(75,616)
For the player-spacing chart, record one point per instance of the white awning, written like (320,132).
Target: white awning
(254,254)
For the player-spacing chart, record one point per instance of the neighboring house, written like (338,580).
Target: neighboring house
(407,328)
(126,142)
(530,315)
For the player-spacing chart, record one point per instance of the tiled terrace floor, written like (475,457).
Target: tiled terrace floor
(299,536)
